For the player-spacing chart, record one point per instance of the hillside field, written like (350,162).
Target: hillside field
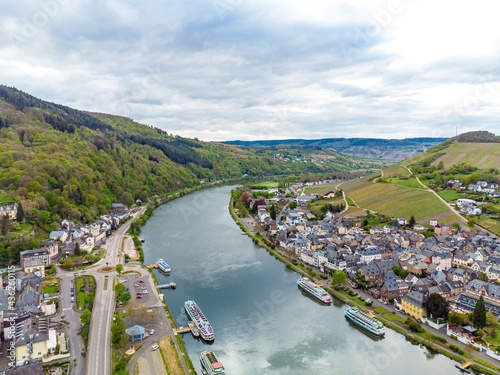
(400,201)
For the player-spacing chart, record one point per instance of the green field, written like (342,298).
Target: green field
(321,189)
(450,195)
(265,185)
(491,224)
(410,182)
(316,205)
(400,201)
(481,155)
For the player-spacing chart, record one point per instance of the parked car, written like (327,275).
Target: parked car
(138,296)
(141,281)
(154,347)
(136,285)
(151,331)
(143,288)
(145,292)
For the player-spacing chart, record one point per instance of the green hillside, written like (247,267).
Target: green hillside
(59,162)
(468,158)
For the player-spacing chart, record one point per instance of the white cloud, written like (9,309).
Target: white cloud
(263,69)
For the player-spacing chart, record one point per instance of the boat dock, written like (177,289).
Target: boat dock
(464,367)
(167,286)
(151,266)
(182,330)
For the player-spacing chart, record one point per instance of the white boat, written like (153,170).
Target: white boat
(314,290)
(211,363)
(200,320)
(365,321)
(163,266)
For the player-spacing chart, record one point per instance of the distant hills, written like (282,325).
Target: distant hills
(388,149)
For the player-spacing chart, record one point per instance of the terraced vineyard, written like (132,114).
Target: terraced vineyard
(400,201)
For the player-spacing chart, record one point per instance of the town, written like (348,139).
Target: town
(396,264)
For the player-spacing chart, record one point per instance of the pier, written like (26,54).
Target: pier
(151,266)
(464,367)
(167,286)
(182,330)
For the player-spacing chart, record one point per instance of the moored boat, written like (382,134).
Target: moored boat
(200,320)
(194,330)
(163,266)
(365,321)
(211,364)
(314,290)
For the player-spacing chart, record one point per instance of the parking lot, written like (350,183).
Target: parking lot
(139,288)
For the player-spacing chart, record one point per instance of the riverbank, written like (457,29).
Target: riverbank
(430,340)
(173,350)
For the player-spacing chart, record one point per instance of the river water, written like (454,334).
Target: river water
(263,324)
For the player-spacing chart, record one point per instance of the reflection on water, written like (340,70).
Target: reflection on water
(263,323)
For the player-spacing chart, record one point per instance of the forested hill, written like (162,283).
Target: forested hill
(59,162)
(390,149)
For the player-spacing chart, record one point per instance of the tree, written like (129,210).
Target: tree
(125,297)
(491,319)
(120,290)
(5,224)
(118,336)
(292,205)
(482,276)
(479,314)
(20,213)
(456,319)
(412,221)
(77,249)
(437,306)
(338,278)
(119,268)
(85,317)
(273,212)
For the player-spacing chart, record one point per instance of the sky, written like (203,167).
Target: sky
(263,69)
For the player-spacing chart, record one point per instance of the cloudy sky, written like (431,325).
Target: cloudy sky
(263,69)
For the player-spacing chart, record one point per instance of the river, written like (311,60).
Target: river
(263,324)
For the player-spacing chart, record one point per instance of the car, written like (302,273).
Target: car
(145,292)
(368,300)
(141,281)
(151,331)
(72,299)
(154,347)
(139,293)
(138,296)
(143,288)
(136,285)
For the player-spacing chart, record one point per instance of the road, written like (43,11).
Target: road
(437,195)
(99,344)
(72,315)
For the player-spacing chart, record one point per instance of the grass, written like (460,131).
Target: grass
(265,185)
(321,189)
(393,317)
(481,155)
(170,356)
(81,295)
(450,195)
(50,285)
(491,224)
(398,201)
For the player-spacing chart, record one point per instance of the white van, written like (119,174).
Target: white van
(154,347)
